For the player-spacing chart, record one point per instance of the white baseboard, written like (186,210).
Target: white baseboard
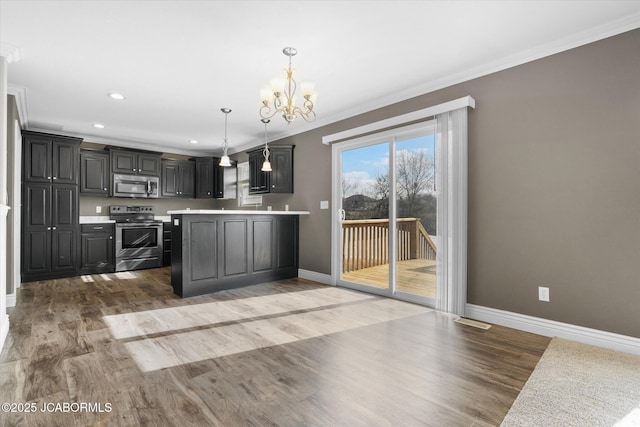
(551,328)
(4,331)
(11,300)
(315,276)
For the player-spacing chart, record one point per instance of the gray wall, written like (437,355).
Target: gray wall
(554,185)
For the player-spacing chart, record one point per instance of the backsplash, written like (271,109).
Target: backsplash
(88,204)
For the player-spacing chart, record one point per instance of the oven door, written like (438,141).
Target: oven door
(138,245)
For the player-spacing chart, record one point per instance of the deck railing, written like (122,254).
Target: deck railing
(365,242)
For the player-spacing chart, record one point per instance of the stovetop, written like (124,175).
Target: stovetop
(132,214)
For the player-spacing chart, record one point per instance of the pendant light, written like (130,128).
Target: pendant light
(224,160)
(266,165)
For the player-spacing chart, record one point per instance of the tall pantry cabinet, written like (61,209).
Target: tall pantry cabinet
(50,235)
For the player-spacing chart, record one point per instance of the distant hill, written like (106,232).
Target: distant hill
(358,202)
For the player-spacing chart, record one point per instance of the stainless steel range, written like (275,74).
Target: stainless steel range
(138,237)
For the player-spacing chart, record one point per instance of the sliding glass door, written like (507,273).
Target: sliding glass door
(388,213)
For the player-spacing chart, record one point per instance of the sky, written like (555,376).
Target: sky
(361,165)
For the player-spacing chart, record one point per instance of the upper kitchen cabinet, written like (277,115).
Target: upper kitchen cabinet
(50,158)
(178,178)
(213,180)
(280,179)
(94,172)
(135,163)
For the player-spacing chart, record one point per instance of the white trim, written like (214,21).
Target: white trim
(11,300)
(455,104)
(20,95)
(11,52)
(4,330)
(315,276)
(551,328)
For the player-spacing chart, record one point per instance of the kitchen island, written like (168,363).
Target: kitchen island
(214,250)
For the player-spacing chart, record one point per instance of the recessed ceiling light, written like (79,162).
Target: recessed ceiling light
(193,141)
(98,125)
(115,95)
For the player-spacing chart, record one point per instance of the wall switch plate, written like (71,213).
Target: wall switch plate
(98,209)
(324,204)
(543,294)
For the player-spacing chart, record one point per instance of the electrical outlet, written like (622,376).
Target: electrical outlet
(98,209)
(543,294)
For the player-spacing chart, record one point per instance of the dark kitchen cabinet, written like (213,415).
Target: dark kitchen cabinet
(280,179)
(282,165)
(209,178)
(178,178)
(50,206)
(97,254)
(50,231)
(135,163)
(94,172)
(259,181)
(50,158)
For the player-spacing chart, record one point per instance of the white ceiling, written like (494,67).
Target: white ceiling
(179,62)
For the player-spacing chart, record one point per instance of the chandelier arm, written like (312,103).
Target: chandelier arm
(265,112)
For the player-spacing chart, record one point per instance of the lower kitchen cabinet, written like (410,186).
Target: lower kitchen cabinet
(166,243)
(97,252)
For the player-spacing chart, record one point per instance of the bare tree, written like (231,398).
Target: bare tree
(348,187)
(415,177)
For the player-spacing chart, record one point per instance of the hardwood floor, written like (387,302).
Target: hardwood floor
(289,353)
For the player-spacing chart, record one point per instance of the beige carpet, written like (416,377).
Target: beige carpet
(579,385)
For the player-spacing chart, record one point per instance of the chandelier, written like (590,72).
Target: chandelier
(280,98)
(266,165)
(224,160)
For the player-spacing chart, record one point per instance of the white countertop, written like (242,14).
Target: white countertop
(94,219)
(234,212)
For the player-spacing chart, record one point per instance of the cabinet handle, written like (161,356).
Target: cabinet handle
(48,228)
(53,228)
(110,237)
(55,177)
(104,189)
(98,228)
(273,186)
(48,177)
(134,170)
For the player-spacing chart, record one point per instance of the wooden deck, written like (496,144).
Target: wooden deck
(415,276)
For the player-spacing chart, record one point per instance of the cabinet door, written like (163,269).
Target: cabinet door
(64,162)
(170,179)
(204,178)
(94,173)
(37,202)
(64,206)
(258,180)
(36,250)
(218,181)
(97,253)
(124,162)
(63,250)
(37,158)
(187,179)
(148,164)
(282,174)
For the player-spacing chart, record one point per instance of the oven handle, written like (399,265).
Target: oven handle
(138,225)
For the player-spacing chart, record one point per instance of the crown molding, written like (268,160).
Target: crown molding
(20,94)
(124,143)
(11,52)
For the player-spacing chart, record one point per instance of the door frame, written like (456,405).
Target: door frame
(391,137)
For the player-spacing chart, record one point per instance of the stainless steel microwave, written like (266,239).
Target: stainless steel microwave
(135,186)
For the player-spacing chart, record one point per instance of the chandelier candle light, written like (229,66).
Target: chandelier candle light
(281,97)
(266,166)
(224,160)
